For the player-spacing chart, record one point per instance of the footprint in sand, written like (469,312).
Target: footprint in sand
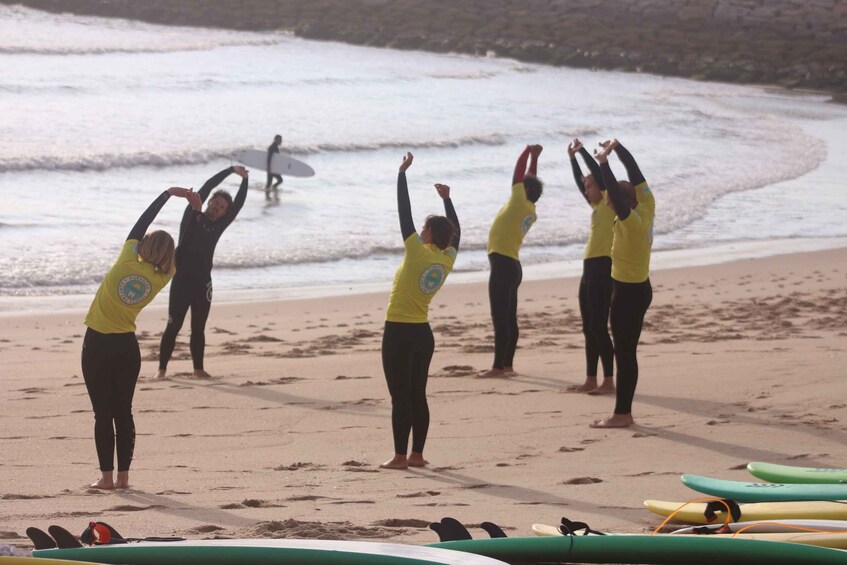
(582,481)
(419,494)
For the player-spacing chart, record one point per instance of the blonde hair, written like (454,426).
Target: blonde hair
(157,248)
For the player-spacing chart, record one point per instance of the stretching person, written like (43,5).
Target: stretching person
(595,286)
(407,341)
(199,233)
(631,290)
(273,148)
(504,242)
(111,359)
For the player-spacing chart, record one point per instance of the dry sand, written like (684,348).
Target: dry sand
(739,362)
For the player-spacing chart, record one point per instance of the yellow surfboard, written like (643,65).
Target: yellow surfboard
(693,513)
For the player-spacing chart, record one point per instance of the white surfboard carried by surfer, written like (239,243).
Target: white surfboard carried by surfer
(280,164)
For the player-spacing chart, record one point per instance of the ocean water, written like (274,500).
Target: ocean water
(98,116)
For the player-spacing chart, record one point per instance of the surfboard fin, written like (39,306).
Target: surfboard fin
(40,539)
(64,539)
(493,530)
(450,529)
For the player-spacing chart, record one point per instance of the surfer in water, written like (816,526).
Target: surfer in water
(504,242)
(111,359)
(407,341)
(632,240)
(199,233)
(273,148)
(595,286)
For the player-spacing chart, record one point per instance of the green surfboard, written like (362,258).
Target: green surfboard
(266,552)
(796,475)
(647,549)
(763,492)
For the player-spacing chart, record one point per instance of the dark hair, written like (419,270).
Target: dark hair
(277,137)
(222,194)
(629,193)
(442,230)
(534,188)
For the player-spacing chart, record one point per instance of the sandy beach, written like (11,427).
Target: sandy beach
(739,362)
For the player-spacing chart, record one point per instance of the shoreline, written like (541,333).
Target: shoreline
(787,43)
(661,260)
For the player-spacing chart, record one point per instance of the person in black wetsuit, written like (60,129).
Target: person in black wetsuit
(632,293)
(111,359)
(407,341)
(273,148)
(595,286)
(199,233)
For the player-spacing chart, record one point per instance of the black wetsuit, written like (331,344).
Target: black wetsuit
(192,284)
(272,148)
(407,350)
(630,301)
(503,283)
(595,290)
(111,363)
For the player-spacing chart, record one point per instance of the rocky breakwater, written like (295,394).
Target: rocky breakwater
(790,43)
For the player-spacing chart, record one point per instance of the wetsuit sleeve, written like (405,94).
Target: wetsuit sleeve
(270,156)
(593,167)
(140,227)
(404,207)
(577,177)
(622,209)
(632,170)
(450,212)
(520,167)
(237,203)
(212,183)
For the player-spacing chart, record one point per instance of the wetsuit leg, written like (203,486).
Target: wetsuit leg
(598,300)
(406,352)
(278,181)
(425,345)
(201,303)
(502,294)
(178,304)
(592,353)
(514,331)
(110,367)
(629,304)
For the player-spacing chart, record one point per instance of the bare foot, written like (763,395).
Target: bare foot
(616,421)
(416,460)
(396,462)
(608,387)
(106,482)
(509,371)
(492,373)
(589,385)
(161,374)
(201,374)
(122,480)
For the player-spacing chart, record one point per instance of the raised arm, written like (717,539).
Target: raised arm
(593,167)
(140,227)
(534,152)
(240,197)
(213,183)
(632,170)
(450,212)
(573,147)
(619,201)
(520,166)
(404,207)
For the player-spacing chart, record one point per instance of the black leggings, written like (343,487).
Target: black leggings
(506,276)
(110,367)
(595,295)
(406,352)
(185,294)
(629,304)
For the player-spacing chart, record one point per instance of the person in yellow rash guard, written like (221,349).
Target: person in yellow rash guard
(111,359)
(595,286)
(504,242)
(632,293)
(407,341)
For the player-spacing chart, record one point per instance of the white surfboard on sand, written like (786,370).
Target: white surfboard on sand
(280,164)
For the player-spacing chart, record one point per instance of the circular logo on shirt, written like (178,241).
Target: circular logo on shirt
(527,223)
(133,289)
(209,291)
(432,279)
